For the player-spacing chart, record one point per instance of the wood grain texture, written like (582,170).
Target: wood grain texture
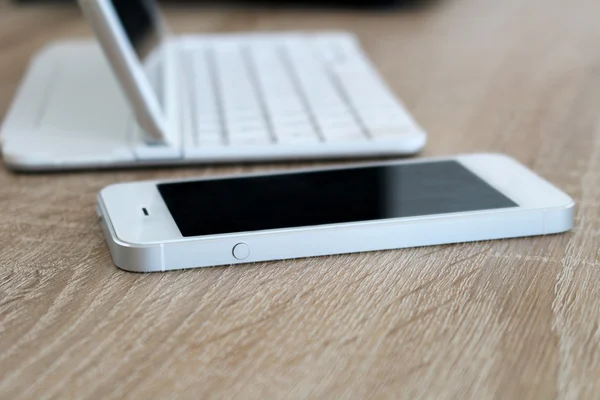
(513,319)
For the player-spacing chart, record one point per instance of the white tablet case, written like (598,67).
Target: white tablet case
(69,126)
(46,128)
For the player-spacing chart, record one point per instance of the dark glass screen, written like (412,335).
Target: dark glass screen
(139,20)
(327,197)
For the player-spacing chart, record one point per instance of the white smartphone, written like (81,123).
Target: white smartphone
(166,225)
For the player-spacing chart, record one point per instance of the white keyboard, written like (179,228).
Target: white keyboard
(287,90)
(258,97)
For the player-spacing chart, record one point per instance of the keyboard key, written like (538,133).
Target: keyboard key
(330,102)
(296,90)
(247,125)
(242,114)
(344,133)
(247,133)
(249,138)
(380,118)
(210,140)
(340,52)
(298,140)
(285,108)
(344,118)
(305,126)
(204,107)
(284,120)
(331,53)
(331,129)
(208,122)
(388,133)
(297,134)
(208,129)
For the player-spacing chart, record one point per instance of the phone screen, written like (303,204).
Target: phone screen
(327,197)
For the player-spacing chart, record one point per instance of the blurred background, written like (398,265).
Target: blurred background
(364,4)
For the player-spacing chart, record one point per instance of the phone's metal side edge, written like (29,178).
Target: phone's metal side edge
(355,239)
(147,258)
(337,240)
(559,219)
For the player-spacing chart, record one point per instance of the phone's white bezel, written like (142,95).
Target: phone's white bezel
(159,122)
(154,243)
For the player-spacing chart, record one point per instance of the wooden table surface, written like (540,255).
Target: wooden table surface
(510,319)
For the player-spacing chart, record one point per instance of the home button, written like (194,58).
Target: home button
(241,251)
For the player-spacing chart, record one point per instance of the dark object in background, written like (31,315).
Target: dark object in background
(362,4)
